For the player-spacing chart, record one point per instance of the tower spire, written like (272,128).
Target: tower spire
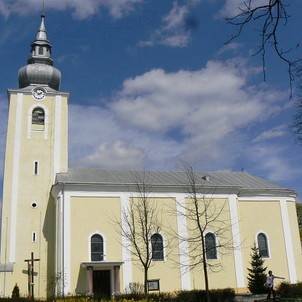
(39,69)
(41,47)
(42,34)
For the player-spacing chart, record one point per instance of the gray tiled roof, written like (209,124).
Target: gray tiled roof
(240,180)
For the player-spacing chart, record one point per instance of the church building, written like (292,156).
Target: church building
(70,220)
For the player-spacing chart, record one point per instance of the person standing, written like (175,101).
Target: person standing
(270,285)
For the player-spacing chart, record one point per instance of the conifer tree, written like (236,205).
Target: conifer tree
(256,277)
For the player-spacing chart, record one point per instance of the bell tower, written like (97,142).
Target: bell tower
(36,149)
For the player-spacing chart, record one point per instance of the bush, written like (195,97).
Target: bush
(136,288)
(217,295)
(286,290)
(156,297)
(21,299)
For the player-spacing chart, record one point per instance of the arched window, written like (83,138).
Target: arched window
(38,116)
(262,245)
(97,247)
(40,50)
(210,243)
(157,247)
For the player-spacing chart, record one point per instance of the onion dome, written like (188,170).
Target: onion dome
(39,69)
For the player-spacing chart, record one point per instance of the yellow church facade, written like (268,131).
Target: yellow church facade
(71,219)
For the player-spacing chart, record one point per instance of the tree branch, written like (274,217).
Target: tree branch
(270,16)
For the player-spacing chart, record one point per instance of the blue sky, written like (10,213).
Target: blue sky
(152,84)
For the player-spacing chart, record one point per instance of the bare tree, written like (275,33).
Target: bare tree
(269,15)
(139,223)
(297,123)
(203,214)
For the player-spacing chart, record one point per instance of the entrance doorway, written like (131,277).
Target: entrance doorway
(101,283)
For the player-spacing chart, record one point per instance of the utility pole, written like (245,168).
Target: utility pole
(30,274)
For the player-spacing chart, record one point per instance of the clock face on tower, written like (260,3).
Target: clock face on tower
(39,93)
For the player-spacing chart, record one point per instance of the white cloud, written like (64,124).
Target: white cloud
(159,118)
(176,17)
(212,101)
(116,155)
(275,132)
(233,7)
(81,9)
(4,9)
(273,160)
(230,47)
(91,140)
(176,40)
(175,30)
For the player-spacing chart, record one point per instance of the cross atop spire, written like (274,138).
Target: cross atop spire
(43,7)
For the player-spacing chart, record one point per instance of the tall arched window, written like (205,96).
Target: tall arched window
(157,247)
(97,248)
(262,245)
(38,116)
(210,244)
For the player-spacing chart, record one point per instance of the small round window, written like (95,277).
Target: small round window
(34,205)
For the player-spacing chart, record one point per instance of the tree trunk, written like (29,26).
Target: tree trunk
(145,281)
(205,270)
(206,280)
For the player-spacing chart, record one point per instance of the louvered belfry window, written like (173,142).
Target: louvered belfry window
(38,116)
